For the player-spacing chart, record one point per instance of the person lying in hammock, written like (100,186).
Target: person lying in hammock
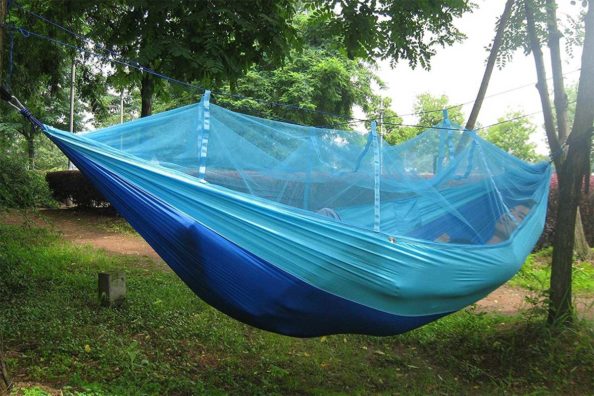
(504,226)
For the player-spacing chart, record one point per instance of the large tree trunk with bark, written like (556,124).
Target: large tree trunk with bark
(146,93)
(572,174)
(554,35)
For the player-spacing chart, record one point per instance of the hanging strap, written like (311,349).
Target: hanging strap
(204,135)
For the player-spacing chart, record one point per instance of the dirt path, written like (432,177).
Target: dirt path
(98,229)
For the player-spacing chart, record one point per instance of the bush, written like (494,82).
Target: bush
(73,185)
(21,187)
(586,210)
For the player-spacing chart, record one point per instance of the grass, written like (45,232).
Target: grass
(164,340)
(536,272)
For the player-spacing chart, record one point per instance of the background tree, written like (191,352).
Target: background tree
(37,83)
(391,29)
(317,77)
(514,136)
(533,23)
(428,108)
(217,44)
(190,41)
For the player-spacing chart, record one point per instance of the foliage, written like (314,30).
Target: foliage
(319,79)
(514,136)
(72,185)
(40,79)
(388,29)
(166,341)
(20,187)
(516,34)
(188,41)
(429,109)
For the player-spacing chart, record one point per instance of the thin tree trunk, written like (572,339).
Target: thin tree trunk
(476,108)
(31,147)
(3,9)
(146,93)
(4,381)
(557,69)
(582,249)
(542,86)
(571,177)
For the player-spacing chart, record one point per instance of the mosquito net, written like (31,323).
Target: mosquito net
(444,185)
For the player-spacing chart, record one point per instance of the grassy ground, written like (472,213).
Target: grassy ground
(536,272)
(164,340)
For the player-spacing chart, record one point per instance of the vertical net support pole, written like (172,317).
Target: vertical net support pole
(377,171)
(205,131)
(309,159)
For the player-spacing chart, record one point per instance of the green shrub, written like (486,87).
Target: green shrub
(72,184)
(21,187)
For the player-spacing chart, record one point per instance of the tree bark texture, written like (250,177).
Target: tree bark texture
(571,176)
(146,92)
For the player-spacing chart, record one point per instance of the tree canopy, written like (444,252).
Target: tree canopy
(514,135)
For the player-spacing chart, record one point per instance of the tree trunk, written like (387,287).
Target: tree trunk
(571,176)
(4,381)
(542,86)
(31,147)
(582,249)
(557,69)
(476,108)
(3,7)
(146,93)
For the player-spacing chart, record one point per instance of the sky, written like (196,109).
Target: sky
(457,72)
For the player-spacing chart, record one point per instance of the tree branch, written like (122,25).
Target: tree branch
(490,65)
(557,68)
(542,85)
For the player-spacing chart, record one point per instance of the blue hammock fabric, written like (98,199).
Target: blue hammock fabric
(306,231)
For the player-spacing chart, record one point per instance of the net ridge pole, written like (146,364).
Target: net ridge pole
(205,131)
(376,177)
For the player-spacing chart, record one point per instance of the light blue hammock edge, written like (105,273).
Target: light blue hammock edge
(290,270)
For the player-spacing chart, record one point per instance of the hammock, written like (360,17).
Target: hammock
(306,231)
